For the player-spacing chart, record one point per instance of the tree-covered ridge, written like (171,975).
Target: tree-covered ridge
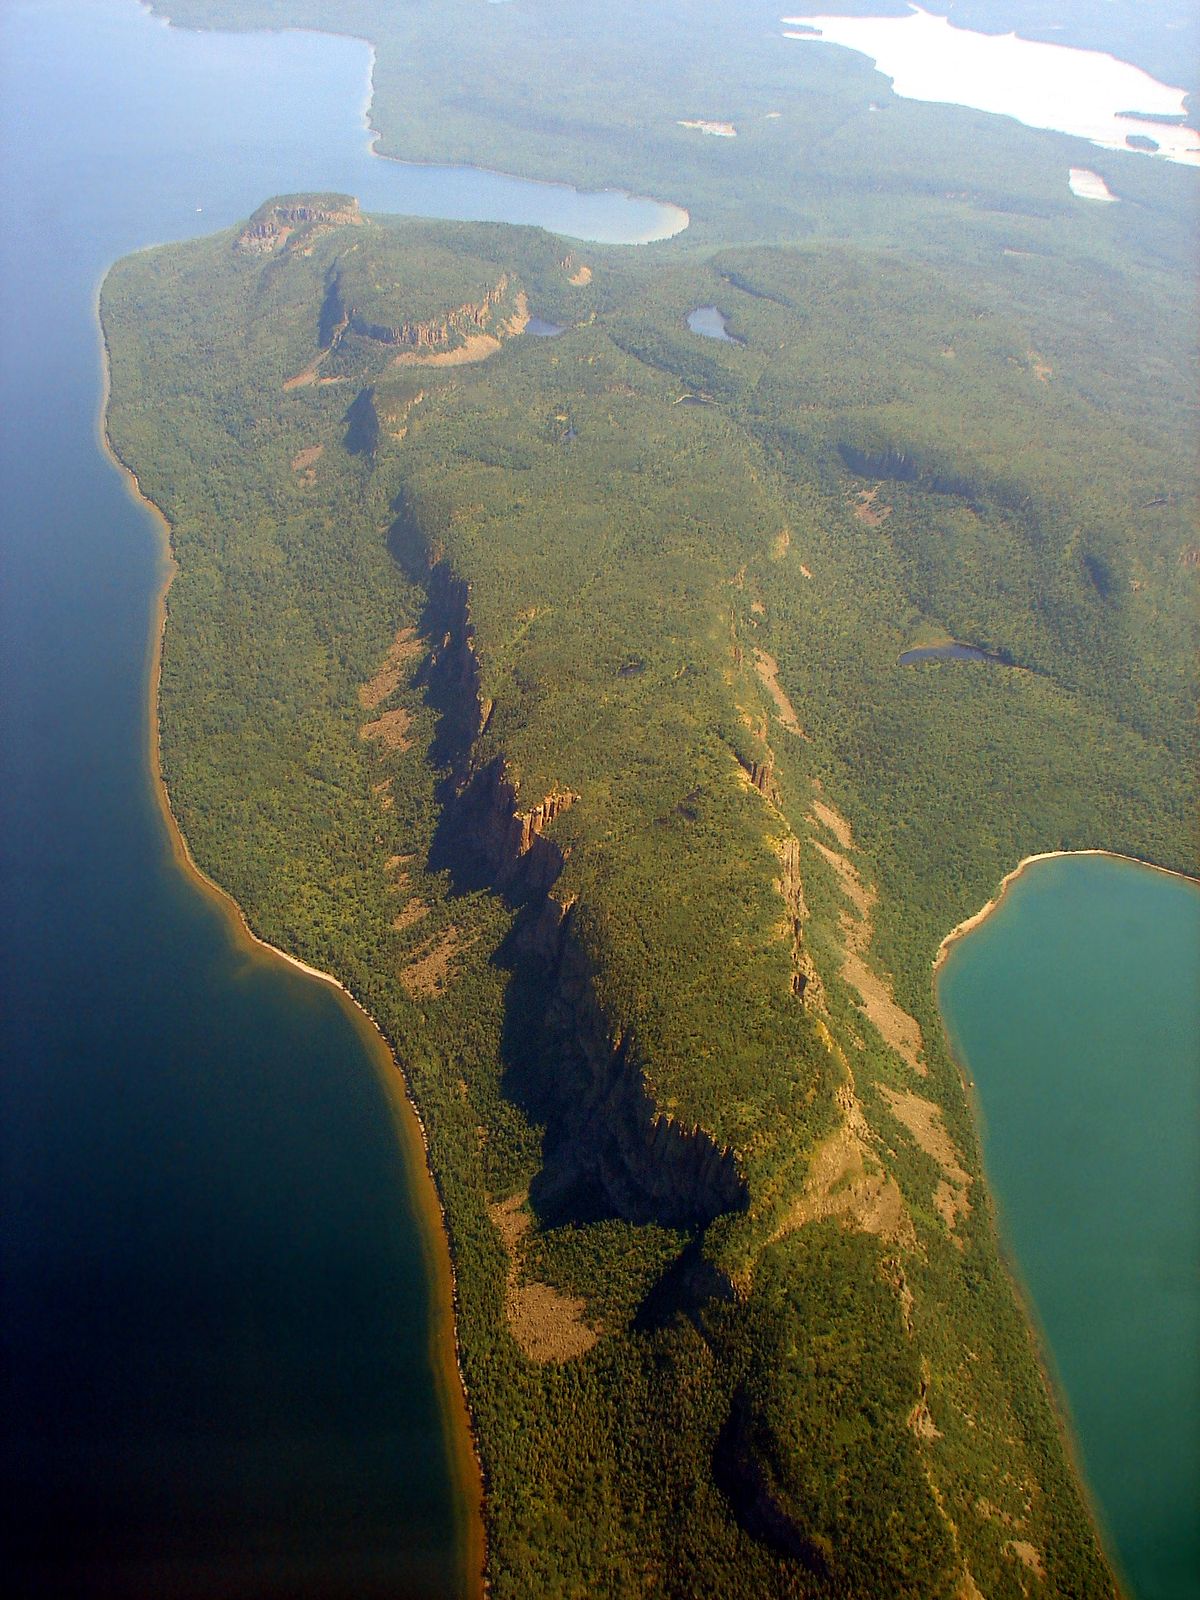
(645,594)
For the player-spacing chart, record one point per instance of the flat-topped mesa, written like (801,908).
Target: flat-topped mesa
(296,218)
(432,332)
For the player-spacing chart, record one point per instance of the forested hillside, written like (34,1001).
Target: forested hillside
(547,690)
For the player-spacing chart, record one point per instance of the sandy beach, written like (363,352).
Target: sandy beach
(961,929)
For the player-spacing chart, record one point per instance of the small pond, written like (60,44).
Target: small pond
(710,323)
(954,651)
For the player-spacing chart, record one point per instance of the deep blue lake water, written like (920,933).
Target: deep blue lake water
(217,1312)
(217,1365)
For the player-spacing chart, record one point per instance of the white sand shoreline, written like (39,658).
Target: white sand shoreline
(961,929)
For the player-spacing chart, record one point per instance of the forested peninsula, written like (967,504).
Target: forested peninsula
(546,690)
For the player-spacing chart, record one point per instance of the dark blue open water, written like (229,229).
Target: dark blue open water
(217,1374)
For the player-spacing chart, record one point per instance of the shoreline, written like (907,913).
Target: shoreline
(961,929)
(444,1349)
(374,135)
(1043,1352)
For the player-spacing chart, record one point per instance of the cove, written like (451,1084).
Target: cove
(1053,86)
(1074,1006)
(228,1363)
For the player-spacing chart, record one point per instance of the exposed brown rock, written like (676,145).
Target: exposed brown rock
(846,1180)
(895,1026)
(435,334)
(866,509)
(430,973)
(923,1119)
(271,228)
(920,1420)
(1027,1555)
(305,460)
(768,671)
(390,730)
(413,912)
(513,841)
(762,776)
(403,649)
(547,1324)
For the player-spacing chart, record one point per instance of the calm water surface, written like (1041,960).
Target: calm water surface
(1082,92)
(1075,1008)
(709,323)
(217,1374)
(954,651)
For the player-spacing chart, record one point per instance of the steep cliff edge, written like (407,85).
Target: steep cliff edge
(605,1134)
(296,222)
(605,1137)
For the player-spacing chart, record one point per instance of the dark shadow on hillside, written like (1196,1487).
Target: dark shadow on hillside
(533,1078)
(740,1474)
(362,425)
(685,1288)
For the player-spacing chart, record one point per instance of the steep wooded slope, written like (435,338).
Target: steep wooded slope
(549,695)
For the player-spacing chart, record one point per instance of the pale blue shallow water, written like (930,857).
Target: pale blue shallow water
(1075,1007)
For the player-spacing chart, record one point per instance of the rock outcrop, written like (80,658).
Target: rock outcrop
(762,776)
(296,218)
(806,980)
(433,332)
(604,1132)
(513,842)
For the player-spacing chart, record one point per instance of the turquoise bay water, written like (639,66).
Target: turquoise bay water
(1075,1008)
(215,1370)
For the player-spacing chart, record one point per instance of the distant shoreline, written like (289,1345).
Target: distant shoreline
(445,1351)
(961,929)
(375,136)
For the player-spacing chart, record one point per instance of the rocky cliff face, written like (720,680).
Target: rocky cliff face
(762,776)
(604,1131)
(455,661)
(272,225)
(433,333)
(606,1134)
(806,981)
(740,1470)
(513,842)
(453,670)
